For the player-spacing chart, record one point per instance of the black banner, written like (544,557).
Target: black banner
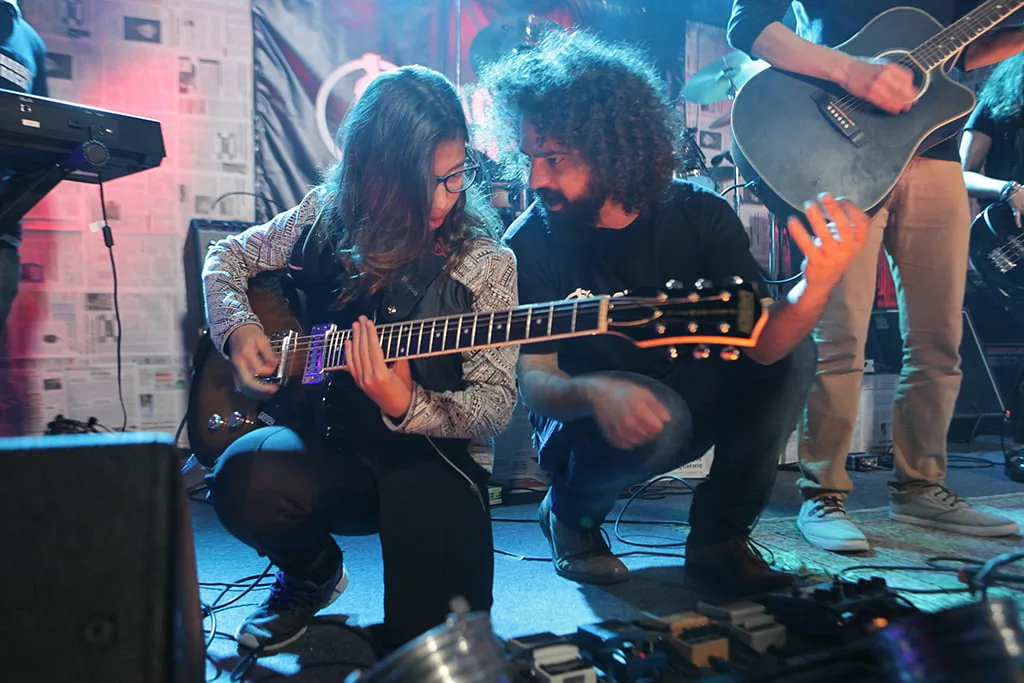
(312,59)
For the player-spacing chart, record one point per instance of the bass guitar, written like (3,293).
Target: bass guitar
(997,249)
(795,137)
(703,316)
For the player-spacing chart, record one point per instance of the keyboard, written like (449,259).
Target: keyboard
(44,141)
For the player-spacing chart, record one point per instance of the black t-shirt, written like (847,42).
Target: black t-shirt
(832,22)
(690,234)
(1005,158)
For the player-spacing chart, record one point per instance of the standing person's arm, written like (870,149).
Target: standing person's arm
(756,28)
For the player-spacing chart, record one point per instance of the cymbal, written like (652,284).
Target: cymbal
(722,121)
(721,78)
(494,41)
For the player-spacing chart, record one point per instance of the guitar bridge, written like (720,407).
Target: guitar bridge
(837,116)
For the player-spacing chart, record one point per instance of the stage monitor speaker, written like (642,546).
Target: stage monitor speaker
(979,394)
(98,562)
(202,234)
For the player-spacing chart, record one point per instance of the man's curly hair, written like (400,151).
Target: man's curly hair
(605,101)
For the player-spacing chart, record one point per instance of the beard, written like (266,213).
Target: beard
(569,214)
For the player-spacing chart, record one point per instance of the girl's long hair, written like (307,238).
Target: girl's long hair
(382,187)
(1003,92)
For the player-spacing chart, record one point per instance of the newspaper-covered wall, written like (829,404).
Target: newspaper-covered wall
(189,65)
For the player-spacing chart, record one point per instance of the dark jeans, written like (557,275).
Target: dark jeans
(285,496)
(10,276)
(745,410)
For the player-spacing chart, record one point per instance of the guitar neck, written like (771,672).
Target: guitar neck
(449,334)
(938,49)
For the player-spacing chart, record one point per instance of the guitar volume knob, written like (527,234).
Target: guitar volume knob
(215,423)
(237,420)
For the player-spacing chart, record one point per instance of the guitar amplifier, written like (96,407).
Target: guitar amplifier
(202,234)
(979,396)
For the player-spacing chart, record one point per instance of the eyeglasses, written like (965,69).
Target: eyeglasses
(460,180)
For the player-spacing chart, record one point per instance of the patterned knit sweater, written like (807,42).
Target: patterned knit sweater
(480,410)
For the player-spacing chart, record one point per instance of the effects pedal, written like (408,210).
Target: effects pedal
(749,623)
(552,659)
(623,650)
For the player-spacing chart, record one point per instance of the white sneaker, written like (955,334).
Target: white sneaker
(824,524)
(935,506)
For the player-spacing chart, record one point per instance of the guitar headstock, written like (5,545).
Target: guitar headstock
(702,315)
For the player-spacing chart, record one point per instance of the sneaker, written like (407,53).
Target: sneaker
(935,506)
(579,555)
(732,569)
(285,614)
(824,523)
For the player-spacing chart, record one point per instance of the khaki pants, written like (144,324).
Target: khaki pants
(924,226)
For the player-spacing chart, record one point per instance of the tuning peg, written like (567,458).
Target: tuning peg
(702,283)
(673,284)
(701,352)
(673,353)
(730,353)
(692,327)
(660,328)
(736,280)
(724,328)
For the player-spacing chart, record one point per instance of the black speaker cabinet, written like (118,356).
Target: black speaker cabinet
(98,563)
(202,234)
(979,395)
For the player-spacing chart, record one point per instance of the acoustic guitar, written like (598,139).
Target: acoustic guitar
(703,316)
(795,137)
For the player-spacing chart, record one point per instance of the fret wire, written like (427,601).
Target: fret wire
(458,332)
(433,326)
(551,317)
(444,335)
(490,329)
(408,342)
(575,309)
(472,337)
(508,326)
(529,315)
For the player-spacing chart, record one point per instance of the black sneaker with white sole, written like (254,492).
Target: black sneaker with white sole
(285,614)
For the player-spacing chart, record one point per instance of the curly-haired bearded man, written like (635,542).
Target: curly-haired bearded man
(591,126)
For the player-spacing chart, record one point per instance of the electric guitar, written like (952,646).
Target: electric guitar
(997,249)
(703,316)
(795,137)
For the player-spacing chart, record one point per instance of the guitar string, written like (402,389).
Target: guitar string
(387,333)
(563,308)
(931,49)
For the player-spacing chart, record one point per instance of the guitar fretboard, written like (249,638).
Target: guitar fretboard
(939,48)
(435,336)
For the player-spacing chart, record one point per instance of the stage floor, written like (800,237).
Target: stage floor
(530,598)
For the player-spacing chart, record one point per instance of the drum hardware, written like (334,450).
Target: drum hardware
(722,78)
(462,650)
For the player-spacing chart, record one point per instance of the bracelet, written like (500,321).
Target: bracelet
(1009,189)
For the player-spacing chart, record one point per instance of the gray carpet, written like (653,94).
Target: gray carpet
(530,598)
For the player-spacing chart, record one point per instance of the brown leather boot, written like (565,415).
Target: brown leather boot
(579,555)
(732,569)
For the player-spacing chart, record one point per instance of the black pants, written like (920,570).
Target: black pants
(745,410)
(284,496)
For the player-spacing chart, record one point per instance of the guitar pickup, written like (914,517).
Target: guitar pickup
(318,352)
(837,116)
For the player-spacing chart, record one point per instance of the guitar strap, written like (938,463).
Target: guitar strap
(313,264)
